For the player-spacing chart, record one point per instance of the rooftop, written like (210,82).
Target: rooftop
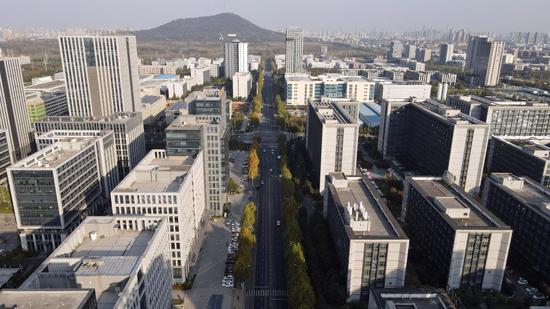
(157,173)
(56,154)
(362,209)
(538,147)
(526,190)
(447,113)
(453,204)
(330,112)
(408,298)
(47,86)
(150,99)
(117,117)
(54,299)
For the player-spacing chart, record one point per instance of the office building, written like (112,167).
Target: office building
(242,84)
(35,108)
(452,142)
(152,108)
(524,205)
(506,118)
(465,245)
(484,60)
(300,88)
(55,188)
(529,157)
(171,187)
(331,139)
(409,298)
(122,261)
(446,53)
(399,91)
(101,74)
(423,54)
(371,246)
(410,52)
(236,58)
(442,77)
(396,50)
(294,50)
(6,158)
(201,74)
(156,69)
(128,128)
(420,76)
(52,94)
(14,116)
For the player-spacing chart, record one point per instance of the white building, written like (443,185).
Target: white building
(156,69)
(332,135)
(152,107)
(242,84)
(236,58)
(14,116)
(369,242)
(484,60)
(294,50)
(400,91)
(101,74)
(55,188)
(201,74)
(254,62)
(123,260)
(170,187)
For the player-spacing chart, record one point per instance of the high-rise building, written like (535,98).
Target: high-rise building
(14,116)
(483,60)
(523,204)
(464,243)
(55,188)
(331,139)
(236,58)
(101,74)
(396,50)
(294,50)
(242,84)
(423,54)
(172,187)
(6,158)
(506,118)
(107,262)
(410,51)
(446,53)
(452,142)
(128,128)
(526,156)
(301,87)
(369,242)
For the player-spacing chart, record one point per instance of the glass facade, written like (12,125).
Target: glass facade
(36,198)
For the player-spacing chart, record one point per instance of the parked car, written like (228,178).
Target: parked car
(522,281)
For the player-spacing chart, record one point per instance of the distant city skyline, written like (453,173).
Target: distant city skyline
(398,15)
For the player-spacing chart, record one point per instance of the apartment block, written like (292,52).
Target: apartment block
(55,188)
(236,58)
(484,60)
(464,243)
(6,158)
(506,118)
(128,128)
(107,262)
(529,157)
(170,187)
(446,53)
(331,139)
(524,205)
(101,74)
(436,139)
(396,50)
(300,88)
(14,116)
(294,50)
(371,246)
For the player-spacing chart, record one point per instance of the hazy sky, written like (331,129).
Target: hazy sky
(392,15)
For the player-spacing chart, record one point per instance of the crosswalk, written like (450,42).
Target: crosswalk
(266,292)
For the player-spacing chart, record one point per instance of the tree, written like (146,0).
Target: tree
(232,186)
(253,164)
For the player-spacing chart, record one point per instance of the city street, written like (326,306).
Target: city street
(269,289)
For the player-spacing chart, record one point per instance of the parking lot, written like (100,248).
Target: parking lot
(208,289)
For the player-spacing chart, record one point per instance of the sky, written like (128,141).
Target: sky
(347,15)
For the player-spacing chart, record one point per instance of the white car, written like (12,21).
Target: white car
(278,223)
(522,281)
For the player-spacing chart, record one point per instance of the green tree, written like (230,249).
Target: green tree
(232,186)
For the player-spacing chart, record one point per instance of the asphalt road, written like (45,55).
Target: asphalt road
(269,289)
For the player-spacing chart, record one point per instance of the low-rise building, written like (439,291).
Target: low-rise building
(464,243)
(524,205)
(527,156)
(400,91)
(420,76)
(442,77)
(122,261)
(35,107)
(371,246)
(152,107)
(201,74)
(156,69)
(172,187)
(409,298)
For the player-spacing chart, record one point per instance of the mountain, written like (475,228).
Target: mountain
(208,29)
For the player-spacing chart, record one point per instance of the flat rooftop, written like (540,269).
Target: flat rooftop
(55,299)
(526,190)
(150,99)
(359,191)
(405,298)
(447,113)
(331,113)
(47,86)
(117,117)
(453,204)
(157,175)
(56,154)
(538,147)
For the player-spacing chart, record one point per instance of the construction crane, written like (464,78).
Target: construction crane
(221,37)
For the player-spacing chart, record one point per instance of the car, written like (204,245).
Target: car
(270,170)
(278,223)
(522,281)
(279,157)
(531,291)
(264,149)
(539,296)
